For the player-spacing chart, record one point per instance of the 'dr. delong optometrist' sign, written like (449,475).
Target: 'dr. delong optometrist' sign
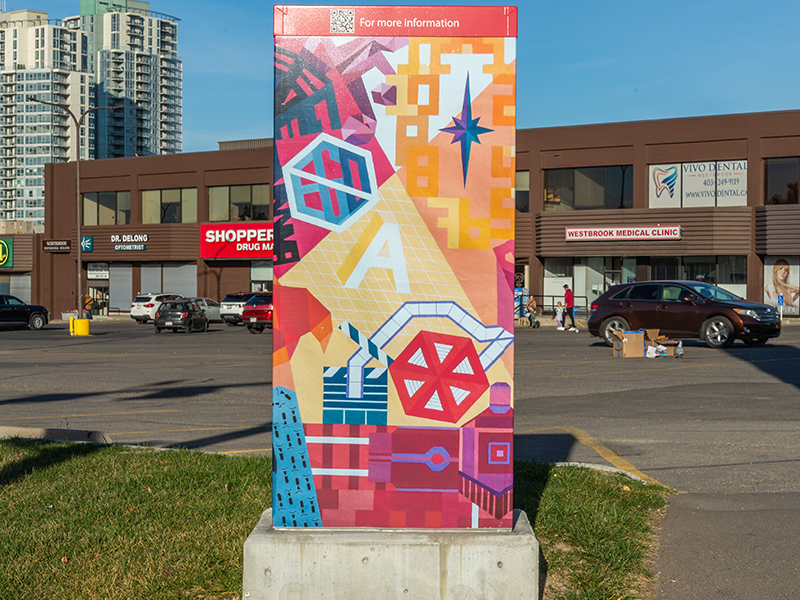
(594,234)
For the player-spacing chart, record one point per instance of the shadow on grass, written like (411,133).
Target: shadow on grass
(34,455)
(536,456)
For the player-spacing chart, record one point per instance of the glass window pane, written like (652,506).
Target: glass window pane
(645,292)
(700,268)
(780,175)
(189,205)
(261,202)
(218,203)
(732,270)
(619,187)
(558,189)
(151,206)
(90,208)
(240,202)
(107,208)
(590,188)
(170,206)
(123,208)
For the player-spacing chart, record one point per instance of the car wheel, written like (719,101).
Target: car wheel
(141,321)
(611,325)
(188,328)
(755,342)
(205,326)
(718,332)
(255,329)
(157,329)
(229,324)
(36,321)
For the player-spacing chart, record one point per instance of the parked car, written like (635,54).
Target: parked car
(210,307)
(683,309)
(230,310)
(180,315)
(144,306)
(14,311)
(257,313)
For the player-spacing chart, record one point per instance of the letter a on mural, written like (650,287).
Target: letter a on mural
(394,266)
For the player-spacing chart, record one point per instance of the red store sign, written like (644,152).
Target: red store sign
(236,240)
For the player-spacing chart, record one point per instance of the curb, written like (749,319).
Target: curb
(59,435)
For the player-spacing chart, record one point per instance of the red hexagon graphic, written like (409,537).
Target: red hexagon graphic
(438,376)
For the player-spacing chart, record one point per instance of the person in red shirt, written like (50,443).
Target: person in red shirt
(569,308)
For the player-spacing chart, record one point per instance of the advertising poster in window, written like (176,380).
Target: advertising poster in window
(665,186)
(732,183)
(782,277)
(699,184)
(394,266)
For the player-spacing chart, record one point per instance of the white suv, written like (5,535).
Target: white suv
(144,306)
(230,309)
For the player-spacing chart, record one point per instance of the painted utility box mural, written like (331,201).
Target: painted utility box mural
(394,266)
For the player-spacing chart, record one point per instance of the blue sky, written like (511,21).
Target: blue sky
(578,61)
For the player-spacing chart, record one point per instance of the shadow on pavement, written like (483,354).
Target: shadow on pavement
(220,438)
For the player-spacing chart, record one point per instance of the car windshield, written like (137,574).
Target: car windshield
(712,292)
(235,298)
(173,306)
(260,300)
(142,299)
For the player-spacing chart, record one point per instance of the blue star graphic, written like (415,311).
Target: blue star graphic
(466,131)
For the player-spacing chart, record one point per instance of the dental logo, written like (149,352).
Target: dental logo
(665,180)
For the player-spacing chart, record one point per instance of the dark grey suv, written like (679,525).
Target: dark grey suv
(683,309)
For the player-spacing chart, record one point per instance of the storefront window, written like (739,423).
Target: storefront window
(261,276)
(588,188)
(169,206)
(522,190)
(780,180)
(107,208)
(239,203)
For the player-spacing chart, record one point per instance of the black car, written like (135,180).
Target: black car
(180,315)
(683,309)
(14,311)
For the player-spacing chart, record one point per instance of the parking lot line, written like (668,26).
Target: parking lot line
(606,453)
(691,366)
(177,430)
(133,412)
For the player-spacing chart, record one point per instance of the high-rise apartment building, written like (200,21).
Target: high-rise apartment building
(116,53)
(133,53)
(47,60)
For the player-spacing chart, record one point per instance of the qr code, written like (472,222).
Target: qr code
(343,20)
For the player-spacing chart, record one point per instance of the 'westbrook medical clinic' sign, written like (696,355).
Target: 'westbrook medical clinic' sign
(593,234)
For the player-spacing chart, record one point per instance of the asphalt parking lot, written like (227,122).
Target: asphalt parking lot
(720,426)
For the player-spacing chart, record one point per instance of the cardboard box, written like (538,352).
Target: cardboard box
(628,344)
(652,337)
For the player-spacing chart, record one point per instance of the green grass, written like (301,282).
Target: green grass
(85,521)
(595,529)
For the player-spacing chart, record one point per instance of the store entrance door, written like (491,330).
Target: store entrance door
(99,295)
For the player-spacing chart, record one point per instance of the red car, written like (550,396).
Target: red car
(257,313)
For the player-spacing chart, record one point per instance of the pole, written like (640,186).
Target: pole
(78,211)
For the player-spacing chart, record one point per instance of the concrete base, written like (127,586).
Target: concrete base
(379,564)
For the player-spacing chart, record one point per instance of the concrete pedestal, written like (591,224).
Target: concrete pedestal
(377,564)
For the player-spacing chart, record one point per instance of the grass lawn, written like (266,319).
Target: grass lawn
(86,521)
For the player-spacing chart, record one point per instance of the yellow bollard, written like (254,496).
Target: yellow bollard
(72,325)
(81,326)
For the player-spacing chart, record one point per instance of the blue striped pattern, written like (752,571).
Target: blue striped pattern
(338,408)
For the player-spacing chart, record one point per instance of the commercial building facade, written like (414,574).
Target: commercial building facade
(153,224)
(705,198)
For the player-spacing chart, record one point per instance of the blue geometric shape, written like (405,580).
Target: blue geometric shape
(466,131)
(294,497)
(338,408)
(330,183)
